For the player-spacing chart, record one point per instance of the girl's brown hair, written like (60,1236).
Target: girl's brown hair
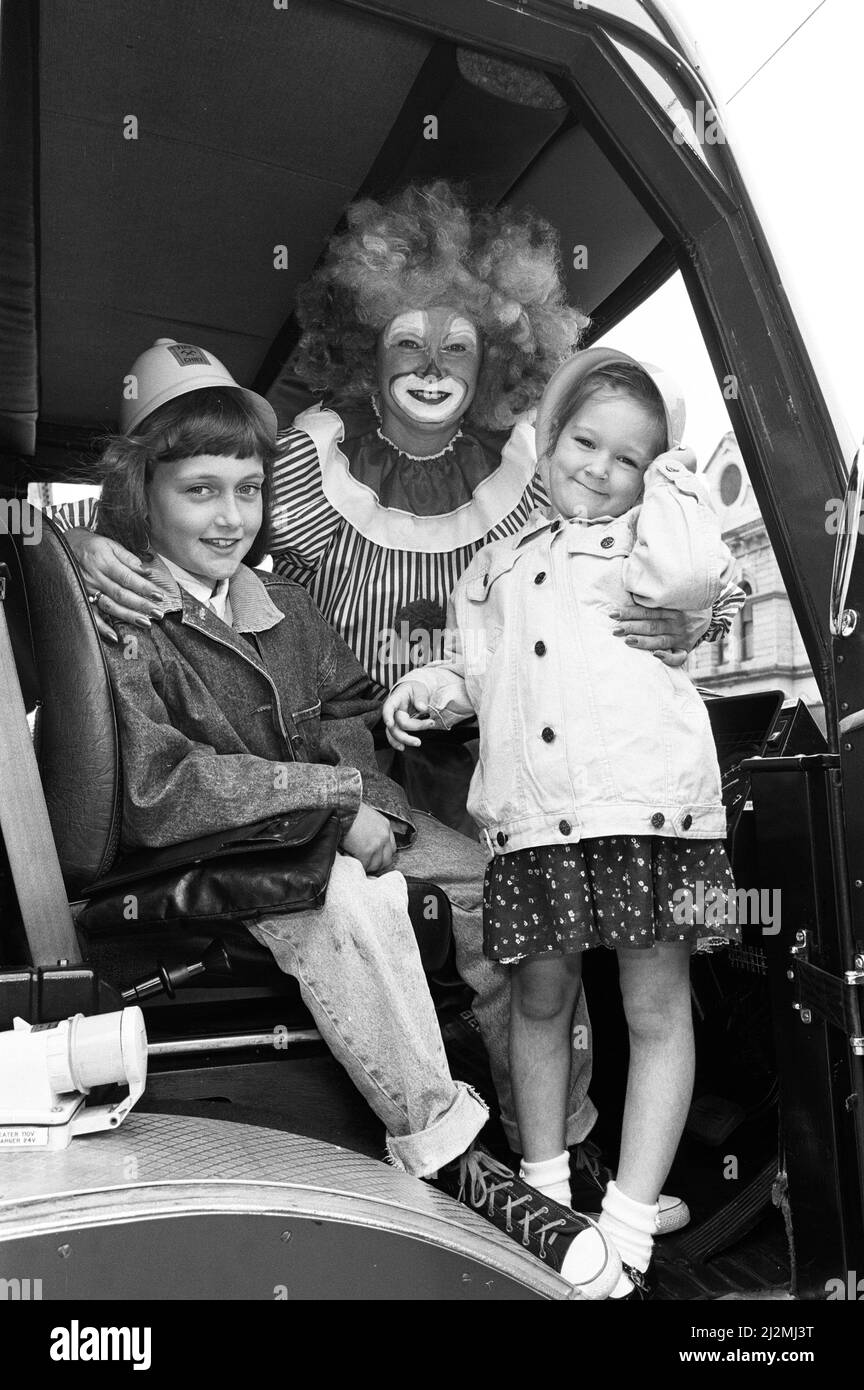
(628,380)
(218,421)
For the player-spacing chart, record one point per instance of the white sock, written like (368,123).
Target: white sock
(551,1176)
(629,1225)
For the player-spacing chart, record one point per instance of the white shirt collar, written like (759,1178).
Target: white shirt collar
(216,598)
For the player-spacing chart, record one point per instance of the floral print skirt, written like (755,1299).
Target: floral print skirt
(619,890)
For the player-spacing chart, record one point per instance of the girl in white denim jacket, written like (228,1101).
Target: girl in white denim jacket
(597,788)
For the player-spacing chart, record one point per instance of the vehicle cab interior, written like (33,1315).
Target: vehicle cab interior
(186,188)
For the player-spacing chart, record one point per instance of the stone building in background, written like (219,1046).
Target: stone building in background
(764,650)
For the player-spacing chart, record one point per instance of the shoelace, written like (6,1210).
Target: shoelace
(477,1169)
(637,1279)
(587,1157)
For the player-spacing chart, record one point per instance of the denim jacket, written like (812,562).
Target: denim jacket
(224,726)
(580,735)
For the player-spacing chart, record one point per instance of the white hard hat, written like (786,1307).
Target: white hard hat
(169,369)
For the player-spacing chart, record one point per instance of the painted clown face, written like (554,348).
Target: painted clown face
(428,363)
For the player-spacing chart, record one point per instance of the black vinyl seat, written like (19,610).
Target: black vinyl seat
(64,678)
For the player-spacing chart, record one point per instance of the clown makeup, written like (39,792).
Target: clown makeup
(428,363)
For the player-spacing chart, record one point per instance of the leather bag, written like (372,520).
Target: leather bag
(274,866)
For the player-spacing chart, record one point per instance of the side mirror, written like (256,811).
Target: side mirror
(843,620)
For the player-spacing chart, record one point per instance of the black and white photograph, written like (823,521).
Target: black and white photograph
(431,671)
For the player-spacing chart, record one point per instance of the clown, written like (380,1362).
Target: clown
(431,333)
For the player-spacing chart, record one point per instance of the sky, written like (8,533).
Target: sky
(794,127)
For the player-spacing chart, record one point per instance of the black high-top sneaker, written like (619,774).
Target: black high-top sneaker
(567,1242)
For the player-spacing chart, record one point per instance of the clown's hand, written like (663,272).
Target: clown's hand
(663,631)
(118,583)
(406,713)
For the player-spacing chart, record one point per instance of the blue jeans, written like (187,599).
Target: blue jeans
(359,970)
(457,864)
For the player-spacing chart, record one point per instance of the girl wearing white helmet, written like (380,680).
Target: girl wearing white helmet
(598,787)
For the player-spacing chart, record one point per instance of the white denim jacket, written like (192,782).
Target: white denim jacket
(581,735)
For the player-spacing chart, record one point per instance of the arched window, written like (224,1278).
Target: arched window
(746,640)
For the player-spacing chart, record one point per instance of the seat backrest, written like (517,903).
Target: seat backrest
(55,638)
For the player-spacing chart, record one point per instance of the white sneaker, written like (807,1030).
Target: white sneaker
(674,1215)
(589,1176)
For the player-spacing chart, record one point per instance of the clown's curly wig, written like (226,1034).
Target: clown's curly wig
(426,247)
